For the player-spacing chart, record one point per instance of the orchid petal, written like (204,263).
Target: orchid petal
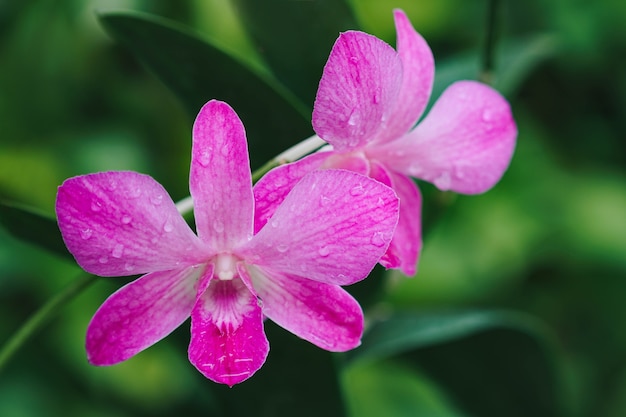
(324,314)
(406,244)
(273,187)
(140,314)
(418,71)
(333,227)
(123,223)
(228,344)
(220,179)
(357,91)
(464,144)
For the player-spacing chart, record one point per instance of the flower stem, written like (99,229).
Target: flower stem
(41,317)
(486,74)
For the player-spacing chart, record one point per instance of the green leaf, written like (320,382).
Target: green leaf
(29,225)
(298,378)
(198,70)
(491,363)
(389,389)
(295,37)
(515,61)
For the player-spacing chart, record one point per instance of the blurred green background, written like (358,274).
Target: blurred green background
(549,239)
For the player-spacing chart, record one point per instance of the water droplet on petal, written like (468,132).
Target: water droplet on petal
(96,206)
(354,118)
(357,190)
(134,192)
(154,240)
(380,202)
(324,201)
(218,225)
(354,59)
(281,248)
(112,185)
(378,239)
(126,219)
(168,227)
(156,199)
(225,150)
(487,115)
(103,260)
(86,233)
(443,181)
(118,250)
(129,267)
(274,223)
(205,157)
(324,251)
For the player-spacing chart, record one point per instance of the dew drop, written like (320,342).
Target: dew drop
(205,157)
(154,240)
(324,201)
(377,239)
(354,118)
(225,150)
(134,192)
(357,190)
(354,59)
(274,224)
(96,206)
(218,225)
(86,233)
(129,267)
(281,248)
(118,250)
(103,260)
(380,202)
(168,227)
(324,251)
(126,219)
(112,185)
(375,98)
(156,199)
(443,181)
(487,115)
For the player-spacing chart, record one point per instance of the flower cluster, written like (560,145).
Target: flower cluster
(282,249)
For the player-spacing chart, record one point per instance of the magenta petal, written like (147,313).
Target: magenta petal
(464,144)
(140,314)
(123,223)
(406,244)
(273,187)
(228,343)
(333,227)
(418,70)
(220,179)
(324,314)
(357,90)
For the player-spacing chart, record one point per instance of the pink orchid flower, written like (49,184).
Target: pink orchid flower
(226,278)
(367,104)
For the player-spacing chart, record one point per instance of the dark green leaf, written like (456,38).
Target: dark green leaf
(515,61)
(30,226)
(197,70)
(490,363)
(295,37)
(297,379)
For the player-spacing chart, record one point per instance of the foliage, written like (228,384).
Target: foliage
(516,308)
